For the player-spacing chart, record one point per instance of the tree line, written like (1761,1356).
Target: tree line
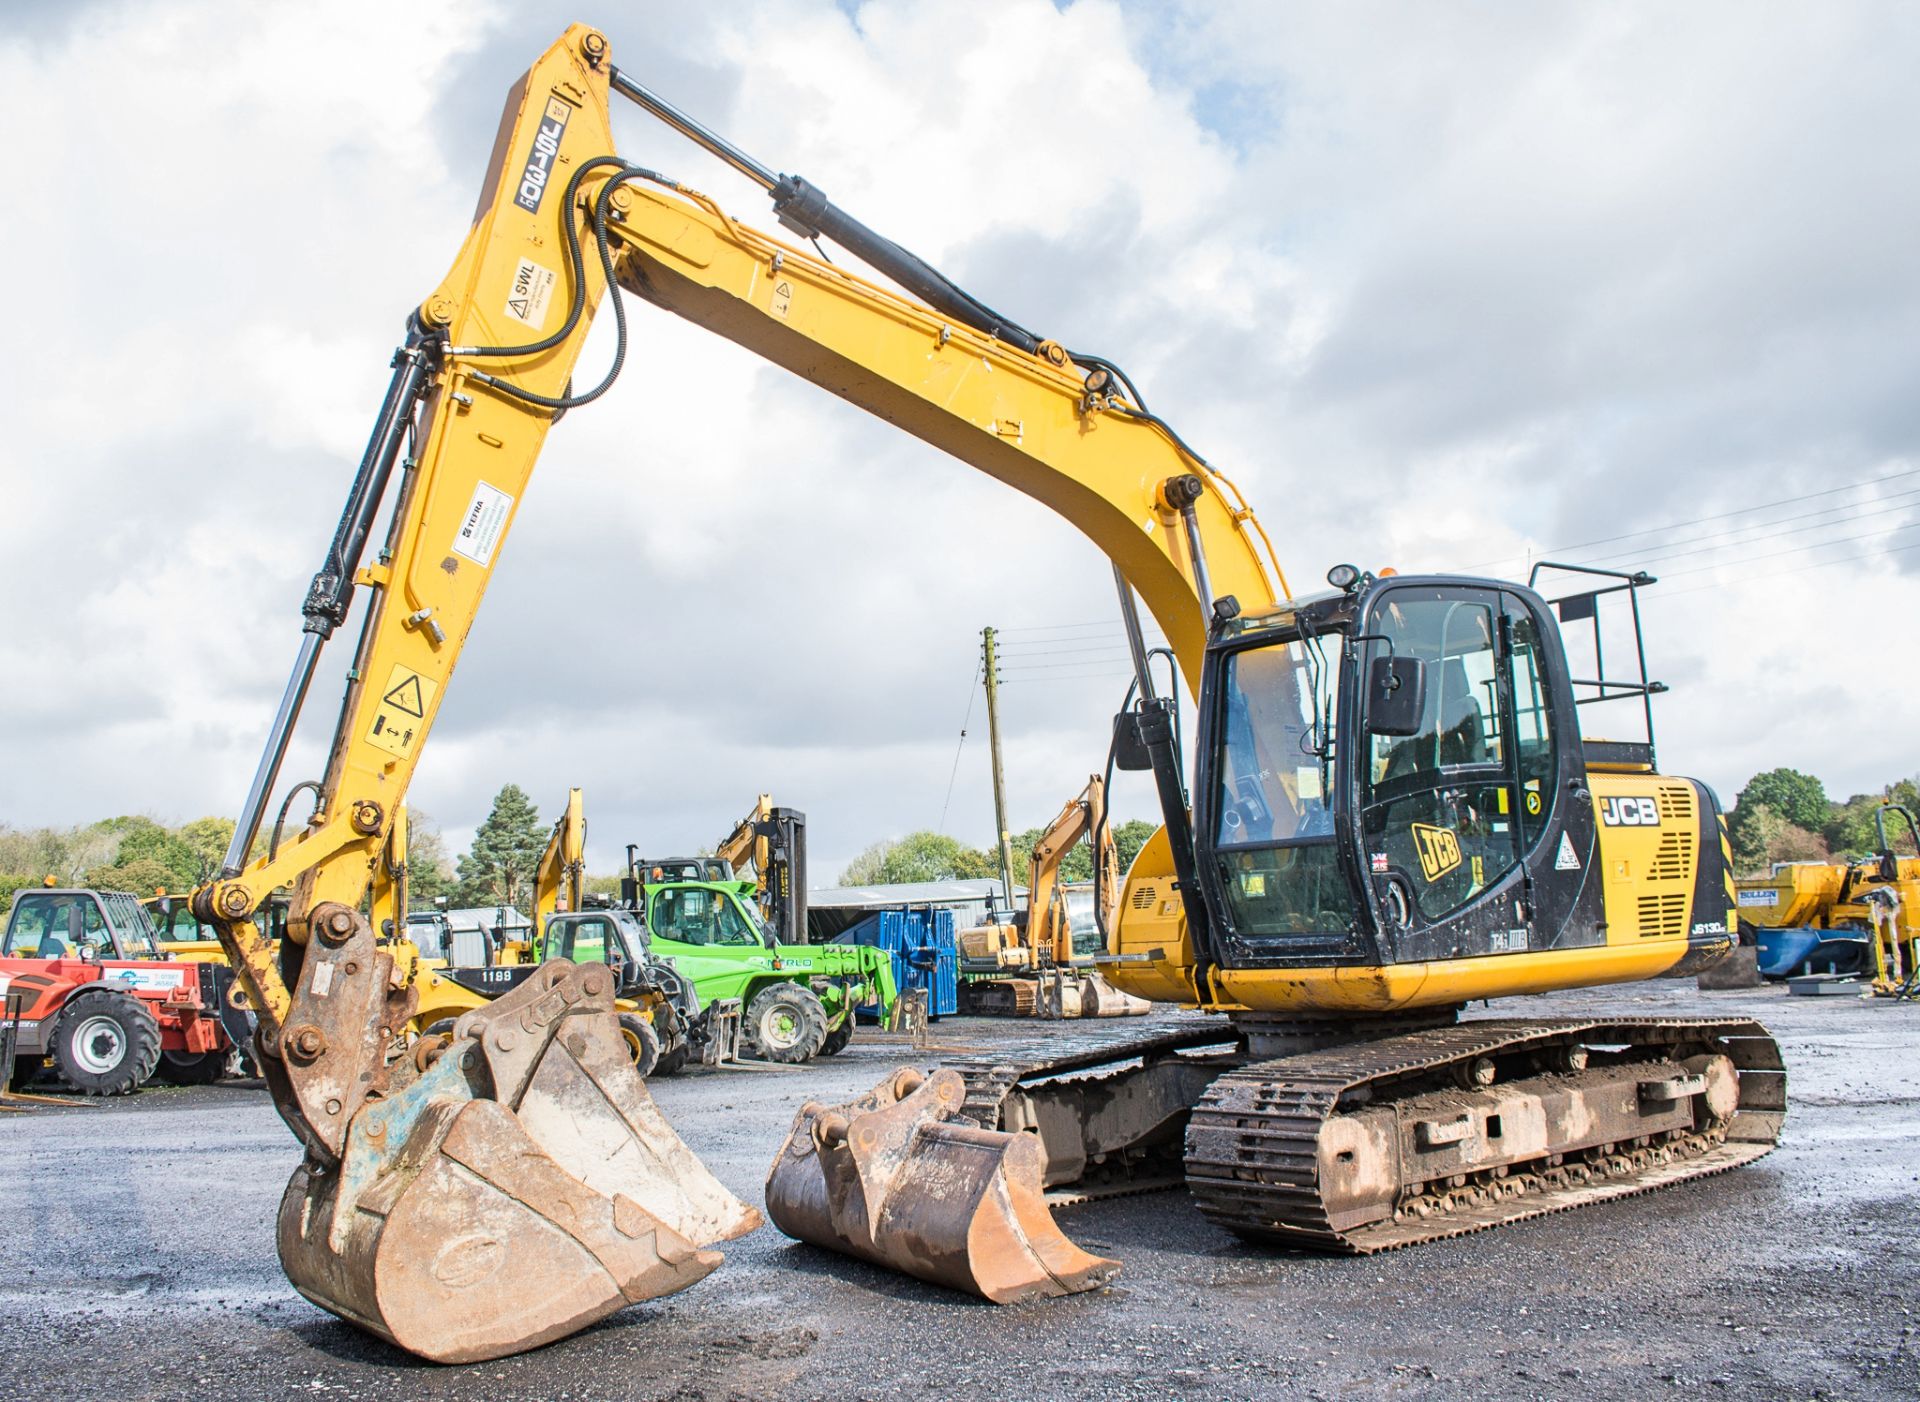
(1783,815)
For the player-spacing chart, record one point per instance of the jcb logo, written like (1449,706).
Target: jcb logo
(1439,850)
(1629,813)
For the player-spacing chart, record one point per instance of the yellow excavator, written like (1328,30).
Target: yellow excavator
(1391,812)
(772,839)
(1029,963)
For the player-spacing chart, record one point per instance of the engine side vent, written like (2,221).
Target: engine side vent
(1663,917)
(1143,898)
(1677,803)
(1674,860)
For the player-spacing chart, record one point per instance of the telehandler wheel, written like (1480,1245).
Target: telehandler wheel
(191,1068)
(105,1043)
(785,1023)
(838,1038)
(643,1043)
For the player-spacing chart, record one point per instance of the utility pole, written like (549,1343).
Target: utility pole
(990,668)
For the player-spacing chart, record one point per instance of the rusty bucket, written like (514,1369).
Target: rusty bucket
(522,1187)
(894,1178)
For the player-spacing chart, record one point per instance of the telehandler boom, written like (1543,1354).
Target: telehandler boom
(1392,813)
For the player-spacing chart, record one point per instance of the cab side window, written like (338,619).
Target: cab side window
(1533,738)
(589,939)
(684,915)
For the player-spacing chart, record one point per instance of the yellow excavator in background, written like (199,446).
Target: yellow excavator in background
(1391,812)
(1030,958)
(772,840)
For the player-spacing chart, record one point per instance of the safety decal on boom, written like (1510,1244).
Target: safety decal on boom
(1439,850)
(546,148)
(402,712)
(484,524)
(532,289)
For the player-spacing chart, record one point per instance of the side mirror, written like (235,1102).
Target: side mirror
(1129,747)
(76,924)
(629,893)
(1889,867)
(1396,695)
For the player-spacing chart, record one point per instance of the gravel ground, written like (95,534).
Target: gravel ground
(140,1264)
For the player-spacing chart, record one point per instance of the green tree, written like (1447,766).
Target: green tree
(1130,837)
(919,856)
(429,869)
(146,842)
(207,839)
(864,870)
(142,876)
(498,869)
(1765,837)
(1799,798)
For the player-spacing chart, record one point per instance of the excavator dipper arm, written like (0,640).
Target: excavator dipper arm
(522,1185)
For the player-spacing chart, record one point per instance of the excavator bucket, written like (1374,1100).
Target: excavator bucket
(521,1187)
(894,1178)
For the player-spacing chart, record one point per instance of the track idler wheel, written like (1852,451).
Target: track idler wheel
(894,1179)
(522,1187)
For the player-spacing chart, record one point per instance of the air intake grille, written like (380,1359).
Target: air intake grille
(1677,802)
(1674,860)
(1143,898)
(1663,917)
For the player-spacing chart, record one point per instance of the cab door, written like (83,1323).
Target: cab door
(1475,826)
(1437,805)
(1553,818)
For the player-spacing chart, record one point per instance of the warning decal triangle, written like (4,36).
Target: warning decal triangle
(406,697)
(1566,861)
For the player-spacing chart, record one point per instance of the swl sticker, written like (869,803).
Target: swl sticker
(528,296)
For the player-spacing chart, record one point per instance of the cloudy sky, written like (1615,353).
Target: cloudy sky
(1442,285)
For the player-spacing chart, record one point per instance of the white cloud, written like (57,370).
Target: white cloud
(1465,282)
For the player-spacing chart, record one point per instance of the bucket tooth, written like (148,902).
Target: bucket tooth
(524,1186)
(894,1179)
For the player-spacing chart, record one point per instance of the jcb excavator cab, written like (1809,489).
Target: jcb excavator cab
(1383,772)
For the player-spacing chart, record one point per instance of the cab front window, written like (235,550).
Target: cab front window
(1273,812)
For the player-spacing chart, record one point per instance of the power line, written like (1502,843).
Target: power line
(972,687)
(1696,521)
(1859,513)
(1798,550)
(1853,559)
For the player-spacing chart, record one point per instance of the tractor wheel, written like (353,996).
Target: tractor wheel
(192,1068)
(643,1043)
(838,1038)
(785,1023)
(105,1042)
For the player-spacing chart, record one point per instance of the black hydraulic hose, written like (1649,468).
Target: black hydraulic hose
(576,263)
(576,260)
(280,820)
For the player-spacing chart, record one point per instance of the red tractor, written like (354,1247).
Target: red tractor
(105,1002)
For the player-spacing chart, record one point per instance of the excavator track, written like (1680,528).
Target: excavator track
(1277,1150)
